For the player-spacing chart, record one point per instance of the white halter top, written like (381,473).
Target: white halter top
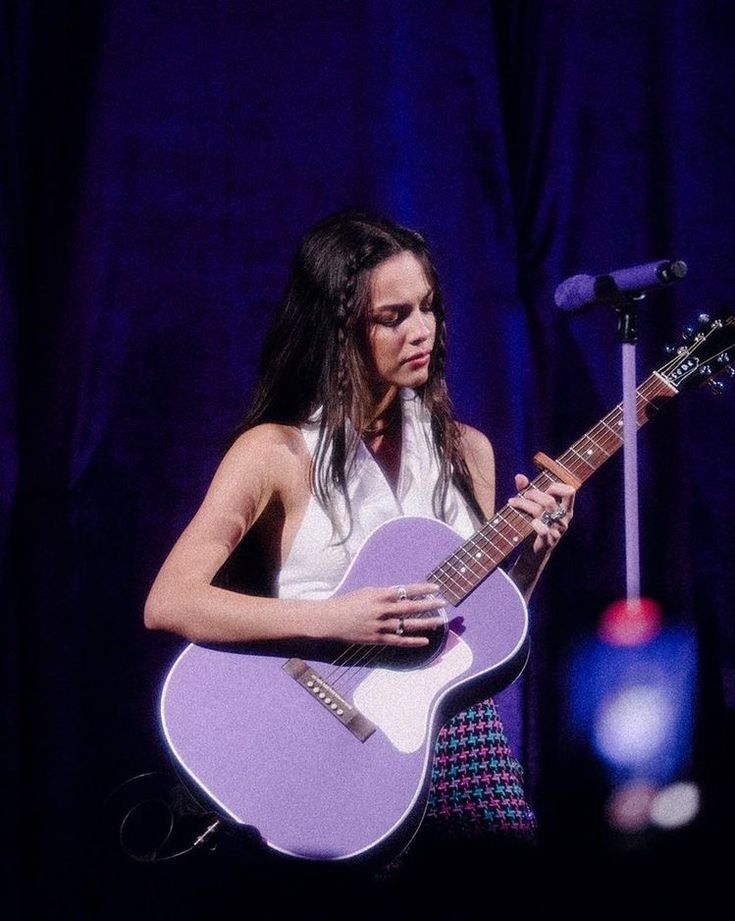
(319,558)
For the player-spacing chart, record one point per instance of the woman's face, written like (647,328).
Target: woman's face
(401,324)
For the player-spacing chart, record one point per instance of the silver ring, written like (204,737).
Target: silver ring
(401,592)
(400,629)
(550,517)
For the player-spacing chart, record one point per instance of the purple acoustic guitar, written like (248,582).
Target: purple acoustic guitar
(326,752)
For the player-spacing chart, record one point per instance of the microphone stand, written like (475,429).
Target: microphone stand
(628,334)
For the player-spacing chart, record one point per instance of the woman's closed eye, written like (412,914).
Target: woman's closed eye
(394,316)
(387,318)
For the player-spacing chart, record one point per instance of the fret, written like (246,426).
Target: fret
(498,534)
(586,450)
(466,563)
(600,444)
(479,556)
(440,575)
(615,432)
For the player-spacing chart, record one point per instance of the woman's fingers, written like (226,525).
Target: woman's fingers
(548,506)
(407,615)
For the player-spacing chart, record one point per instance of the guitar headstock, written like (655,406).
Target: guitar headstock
(708,350)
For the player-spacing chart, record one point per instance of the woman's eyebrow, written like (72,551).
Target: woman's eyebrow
(401,304)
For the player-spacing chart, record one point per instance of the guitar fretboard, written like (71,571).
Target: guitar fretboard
(499,537)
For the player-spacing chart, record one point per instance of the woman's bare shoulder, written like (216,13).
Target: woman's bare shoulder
(476,444)
(266,458)
(480,459)
(271,438)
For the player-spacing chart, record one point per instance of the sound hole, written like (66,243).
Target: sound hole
(404,658)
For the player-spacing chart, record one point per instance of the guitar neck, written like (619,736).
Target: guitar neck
(499,537)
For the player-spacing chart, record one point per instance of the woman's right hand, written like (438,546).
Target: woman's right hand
(398,615)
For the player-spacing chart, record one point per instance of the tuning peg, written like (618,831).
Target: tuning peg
(716,386)
(670,349)
(687,333)
(703,320)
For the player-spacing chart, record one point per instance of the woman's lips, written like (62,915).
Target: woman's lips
(418,361)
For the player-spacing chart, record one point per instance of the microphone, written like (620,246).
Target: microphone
(581,291)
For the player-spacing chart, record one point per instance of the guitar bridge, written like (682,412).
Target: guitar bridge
(324,693)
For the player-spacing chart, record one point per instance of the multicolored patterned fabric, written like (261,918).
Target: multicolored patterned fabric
(476,784)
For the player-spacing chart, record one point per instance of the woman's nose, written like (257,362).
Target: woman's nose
(421,326)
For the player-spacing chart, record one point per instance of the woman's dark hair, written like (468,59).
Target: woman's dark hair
(315,354)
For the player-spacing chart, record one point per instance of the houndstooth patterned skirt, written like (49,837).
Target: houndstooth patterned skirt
(477,786)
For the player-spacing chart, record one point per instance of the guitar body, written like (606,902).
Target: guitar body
(273,755)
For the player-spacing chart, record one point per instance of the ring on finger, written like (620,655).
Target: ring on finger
(400,629)
(550,517)
(401,592)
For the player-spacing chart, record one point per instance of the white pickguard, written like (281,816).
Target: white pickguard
(398,702)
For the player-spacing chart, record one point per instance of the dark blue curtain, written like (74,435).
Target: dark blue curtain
(159,164)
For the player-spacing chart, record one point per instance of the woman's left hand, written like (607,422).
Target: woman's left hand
(550,512)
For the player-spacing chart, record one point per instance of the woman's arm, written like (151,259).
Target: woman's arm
(182,598)
(535,554)
(266,465)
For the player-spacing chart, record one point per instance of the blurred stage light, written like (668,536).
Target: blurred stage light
(631,691)
(675,805)
(629,807)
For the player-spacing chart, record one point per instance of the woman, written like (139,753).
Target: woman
(352,425)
